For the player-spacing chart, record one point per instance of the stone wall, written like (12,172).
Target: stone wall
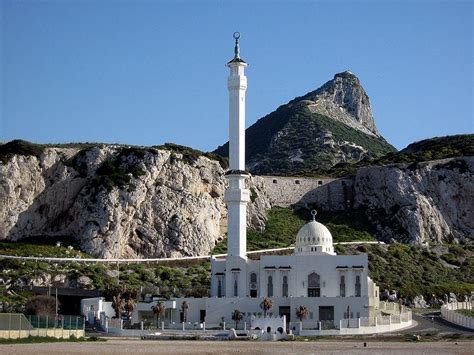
(324,193)
(285,191)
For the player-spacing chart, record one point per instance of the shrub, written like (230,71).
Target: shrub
(41,306)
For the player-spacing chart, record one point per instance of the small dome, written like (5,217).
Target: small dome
(314,237)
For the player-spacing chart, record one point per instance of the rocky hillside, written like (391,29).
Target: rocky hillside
(116,201)
(328,126)
(419,203)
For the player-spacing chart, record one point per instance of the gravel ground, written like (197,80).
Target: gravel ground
(131,346)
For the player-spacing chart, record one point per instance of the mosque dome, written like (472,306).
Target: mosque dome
(314,237)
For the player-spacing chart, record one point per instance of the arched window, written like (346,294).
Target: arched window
(357,286)
(253,285)
(236,285)
(253,278)
(270,286)
(284,287)
(314,286)
(342,286)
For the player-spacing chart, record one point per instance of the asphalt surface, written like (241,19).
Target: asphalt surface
(433,323)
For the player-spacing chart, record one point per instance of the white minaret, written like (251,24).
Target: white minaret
(236,195)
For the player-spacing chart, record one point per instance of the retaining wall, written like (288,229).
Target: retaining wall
(53,333)
(327,194)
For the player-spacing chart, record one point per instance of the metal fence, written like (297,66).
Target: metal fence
(16,325)
(61,322)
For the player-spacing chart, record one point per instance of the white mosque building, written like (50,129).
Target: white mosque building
(331,286)
(336,289)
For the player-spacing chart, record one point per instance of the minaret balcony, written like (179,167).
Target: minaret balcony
(237,195)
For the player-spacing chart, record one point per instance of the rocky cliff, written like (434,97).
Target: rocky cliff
(344,99)
(116,201)
(331,125)
(428,202)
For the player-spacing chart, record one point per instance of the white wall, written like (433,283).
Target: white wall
(448,312)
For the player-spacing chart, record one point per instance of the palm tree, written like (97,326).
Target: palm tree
(302,313)
(237,316)
(129,307)
(184,310)
(266,305)
(158,310)
(118,304)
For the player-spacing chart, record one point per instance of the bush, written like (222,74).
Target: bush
(41,306)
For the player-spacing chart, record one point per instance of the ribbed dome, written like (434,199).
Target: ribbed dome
(314,237)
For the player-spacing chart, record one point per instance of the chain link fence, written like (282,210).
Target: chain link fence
(17,325)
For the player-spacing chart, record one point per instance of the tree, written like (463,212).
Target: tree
(302,313)
(118,304)
(123,300)
(266,305)
(237,316)
(129,307)
(41,305)
(159,310)
(184,310)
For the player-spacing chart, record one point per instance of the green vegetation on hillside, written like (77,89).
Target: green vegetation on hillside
(174,280)
(418,152)
(414,270)
(283,225)
(41,250)
(118,170)
(191,155)
(377,146)
(25,148)
(273,140)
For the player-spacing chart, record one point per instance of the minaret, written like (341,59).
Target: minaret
(237,196)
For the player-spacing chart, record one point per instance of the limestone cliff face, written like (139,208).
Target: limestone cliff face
(344,99)
(431,202)
(118,202)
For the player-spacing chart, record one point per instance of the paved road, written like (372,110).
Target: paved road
(121,346)
(433,323)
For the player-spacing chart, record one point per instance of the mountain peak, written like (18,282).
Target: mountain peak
(325,127)
(345,74)
(344,99)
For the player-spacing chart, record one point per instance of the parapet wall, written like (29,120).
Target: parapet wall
(325,193)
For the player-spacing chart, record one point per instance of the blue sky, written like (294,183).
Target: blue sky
(148,72)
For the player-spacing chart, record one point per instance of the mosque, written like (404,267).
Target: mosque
(335,289)
(332,287)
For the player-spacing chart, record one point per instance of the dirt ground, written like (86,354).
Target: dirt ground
(133,346)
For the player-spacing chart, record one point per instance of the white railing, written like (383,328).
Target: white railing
(449,312)
(389,306)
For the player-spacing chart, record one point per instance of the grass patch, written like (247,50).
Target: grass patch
(40,250)
(35,340)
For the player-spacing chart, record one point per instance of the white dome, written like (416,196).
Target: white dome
(314,237)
